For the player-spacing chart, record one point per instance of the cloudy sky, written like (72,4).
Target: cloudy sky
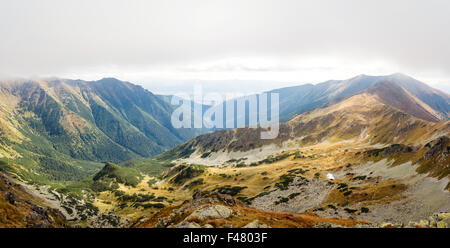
(245,45)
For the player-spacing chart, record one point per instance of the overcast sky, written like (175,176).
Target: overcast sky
(243,45)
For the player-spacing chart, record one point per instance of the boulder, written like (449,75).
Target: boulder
(210,212)
(162,223)
(10,197)
(327,225)
(212,197)
(255,224)
(187,224)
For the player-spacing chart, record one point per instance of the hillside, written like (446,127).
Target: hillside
(214,210)
(392,94)
(21,208)
(300,99)
(62,129)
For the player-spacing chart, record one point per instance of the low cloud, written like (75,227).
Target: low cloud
(172,38)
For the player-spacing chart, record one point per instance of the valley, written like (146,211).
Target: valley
(374,157)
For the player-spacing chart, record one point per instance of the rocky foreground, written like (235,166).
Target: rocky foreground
(20,208)
(209,209)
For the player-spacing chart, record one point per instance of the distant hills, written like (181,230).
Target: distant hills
(299,99)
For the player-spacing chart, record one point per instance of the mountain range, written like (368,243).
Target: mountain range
(362,151)
(299,99)
(57,124)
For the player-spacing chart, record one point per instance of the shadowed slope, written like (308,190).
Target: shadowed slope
(394,95)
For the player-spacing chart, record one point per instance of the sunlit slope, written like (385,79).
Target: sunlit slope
(51,126)
(300,99)
(20,208)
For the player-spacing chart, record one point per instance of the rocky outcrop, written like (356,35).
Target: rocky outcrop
(204,206)
(210,212)
(43,217)
(389,150)
(439,146)
(187,224)
(19,208)
(212,197)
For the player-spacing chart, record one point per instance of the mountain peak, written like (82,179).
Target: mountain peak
(399,74)
(110,79)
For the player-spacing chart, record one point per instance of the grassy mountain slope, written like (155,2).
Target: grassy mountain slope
(300,99)
(62,129)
